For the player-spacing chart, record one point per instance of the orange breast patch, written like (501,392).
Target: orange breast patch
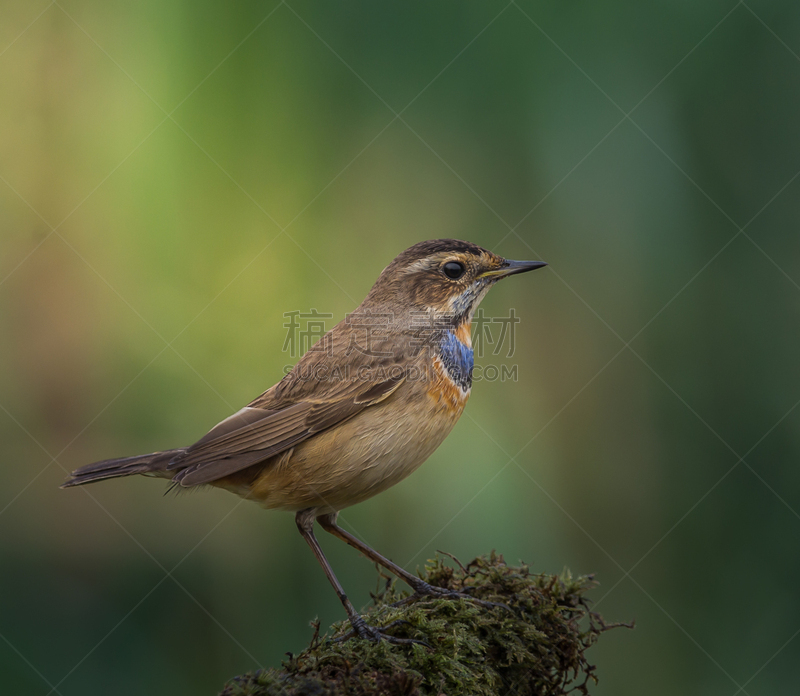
(444,390)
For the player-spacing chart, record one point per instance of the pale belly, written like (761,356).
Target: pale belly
(363,456)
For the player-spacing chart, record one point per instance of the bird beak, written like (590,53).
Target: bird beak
(511,267)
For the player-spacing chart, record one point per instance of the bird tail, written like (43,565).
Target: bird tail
(154,464)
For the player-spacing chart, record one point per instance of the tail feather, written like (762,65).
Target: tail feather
(154,463)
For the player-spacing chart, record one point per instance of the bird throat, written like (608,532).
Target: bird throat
(455,352)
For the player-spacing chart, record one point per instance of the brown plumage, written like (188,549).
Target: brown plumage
(359,412)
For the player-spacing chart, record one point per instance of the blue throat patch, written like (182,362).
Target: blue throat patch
(457,360)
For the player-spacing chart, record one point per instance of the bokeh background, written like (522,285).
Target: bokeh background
(176,176)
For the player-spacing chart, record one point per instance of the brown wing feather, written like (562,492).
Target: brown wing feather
(227,449)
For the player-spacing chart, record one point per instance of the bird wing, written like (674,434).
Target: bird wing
(256,433)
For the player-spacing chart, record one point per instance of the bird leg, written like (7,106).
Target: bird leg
(420,587)
(305,523)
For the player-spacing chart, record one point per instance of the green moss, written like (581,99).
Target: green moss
(536,645)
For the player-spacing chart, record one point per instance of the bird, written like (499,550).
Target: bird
(360,411)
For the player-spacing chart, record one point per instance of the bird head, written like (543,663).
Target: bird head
(447,278)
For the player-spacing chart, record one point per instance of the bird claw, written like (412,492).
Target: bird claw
(424,589)
(377,633)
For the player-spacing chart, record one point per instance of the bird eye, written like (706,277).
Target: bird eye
(454,269)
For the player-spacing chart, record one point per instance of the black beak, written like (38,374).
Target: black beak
(512,267)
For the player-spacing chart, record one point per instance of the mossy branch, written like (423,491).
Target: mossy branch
(535,645)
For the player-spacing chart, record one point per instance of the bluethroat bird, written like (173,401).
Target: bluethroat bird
(358,413)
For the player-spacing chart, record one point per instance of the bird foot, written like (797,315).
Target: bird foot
(375,634)
(424,589)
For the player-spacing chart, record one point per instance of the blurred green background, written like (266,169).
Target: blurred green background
(208,167)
